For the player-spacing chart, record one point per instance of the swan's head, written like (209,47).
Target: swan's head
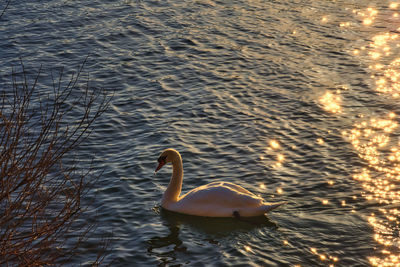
(168,155)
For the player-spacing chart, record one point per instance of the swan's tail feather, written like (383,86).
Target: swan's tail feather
(268,207)
(257,211)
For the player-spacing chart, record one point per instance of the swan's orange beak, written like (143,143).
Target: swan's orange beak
(160,165)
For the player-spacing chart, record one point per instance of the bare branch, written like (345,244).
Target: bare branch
(41,189)
(5,8)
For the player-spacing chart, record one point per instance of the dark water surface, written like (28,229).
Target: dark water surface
(295,100)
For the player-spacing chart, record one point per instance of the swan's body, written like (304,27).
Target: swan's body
(217,199)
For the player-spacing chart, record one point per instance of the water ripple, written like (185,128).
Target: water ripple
(278,97)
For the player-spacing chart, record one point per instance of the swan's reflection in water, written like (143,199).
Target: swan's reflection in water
(161,246)
(166,247)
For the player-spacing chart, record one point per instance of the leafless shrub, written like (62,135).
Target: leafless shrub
(41,187)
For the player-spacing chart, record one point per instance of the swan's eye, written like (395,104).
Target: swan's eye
(162,159)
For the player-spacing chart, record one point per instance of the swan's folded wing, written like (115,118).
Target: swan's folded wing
(219,197)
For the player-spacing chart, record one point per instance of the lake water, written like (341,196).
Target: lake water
(297,101)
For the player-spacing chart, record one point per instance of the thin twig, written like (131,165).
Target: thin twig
(5,8)
(40,195)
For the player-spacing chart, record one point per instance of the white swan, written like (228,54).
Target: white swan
(217,199)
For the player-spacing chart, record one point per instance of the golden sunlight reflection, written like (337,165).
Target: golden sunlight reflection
(384,67)
(367,21)
(389,82)
(344,24)
(371,139)
(320,141)
(331,102)
(274,149)
(375,141)
(325,257)
(248,249)
(274,144)
(368,16)
(393,5)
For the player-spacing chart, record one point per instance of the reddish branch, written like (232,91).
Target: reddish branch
(41,189)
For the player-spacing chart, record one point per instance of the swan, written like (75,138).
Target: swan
(217,199)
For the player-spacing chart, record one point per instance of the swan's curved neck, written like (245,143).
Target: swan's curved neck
(175,185)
